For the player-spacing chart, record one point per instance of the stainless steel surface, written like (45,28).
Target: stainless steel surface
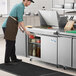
(26,45)
(74,53)
(57,52)
(47,31)
(42,31)
(20,44)
(49,18)
(64,51)
(49,49)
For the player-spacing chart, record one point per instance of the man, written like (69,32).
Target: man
(10,28)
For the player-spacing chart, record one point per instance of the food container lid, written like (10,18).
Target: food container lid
(31,37)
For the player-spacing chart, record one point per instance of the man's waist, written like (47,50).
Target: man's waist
(14,18)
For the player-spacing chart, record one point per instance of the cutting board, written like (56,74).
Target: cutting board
(69,26)
(73,31)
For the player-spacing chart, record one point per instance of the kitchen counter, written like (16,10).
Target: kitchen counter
(61,46)
(54,31)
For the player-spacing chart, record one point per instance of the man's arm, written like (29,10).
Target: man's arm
(21,24)
(21,28)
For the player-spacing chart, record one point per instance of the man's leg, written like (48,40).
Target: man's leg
(8,51)
(13,55)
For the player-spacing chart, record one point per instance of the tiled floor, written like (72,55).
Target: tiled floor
(35,62)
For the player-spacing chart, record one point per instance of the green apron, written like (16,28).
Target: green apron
(11,29)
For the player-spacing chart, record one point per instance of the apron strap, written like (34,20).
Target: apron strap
(14,18)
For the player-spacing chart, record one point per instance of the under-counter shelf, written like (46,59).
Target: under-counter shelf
(34,47)
(34,43)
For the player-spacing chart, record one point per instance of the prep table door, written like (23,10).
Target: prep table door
(74,52)
(49,49)
(64,51)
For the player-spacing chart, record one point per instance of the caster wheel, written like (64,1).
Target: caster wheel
(57,66)
(30,59)
(65,68)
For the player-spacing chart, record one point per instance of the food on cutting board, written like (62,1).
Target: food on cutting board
(69,26)
(28,26)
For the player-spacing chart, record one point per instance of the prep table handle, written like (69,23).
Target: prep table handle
(56,33)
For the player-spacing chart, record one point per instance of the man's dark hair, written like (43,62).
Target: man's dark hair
(23,0)
(30,0)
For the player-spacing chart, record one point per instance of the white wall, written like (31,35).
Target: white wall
(34,7)
(14,2)
(70,1)
(3,7)
(38,4)
(1,22)
(61,2)
(11,3)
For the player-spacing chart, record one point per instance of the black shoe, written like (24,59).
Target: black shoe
(7,63)
(10,63)
(17,60)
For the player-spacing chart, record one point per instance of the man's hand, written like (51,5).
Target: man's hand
(21,29)
(21,24)
(28,33)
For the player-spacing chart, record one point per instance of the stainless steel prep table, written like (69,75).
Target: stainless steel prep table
(63,52)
